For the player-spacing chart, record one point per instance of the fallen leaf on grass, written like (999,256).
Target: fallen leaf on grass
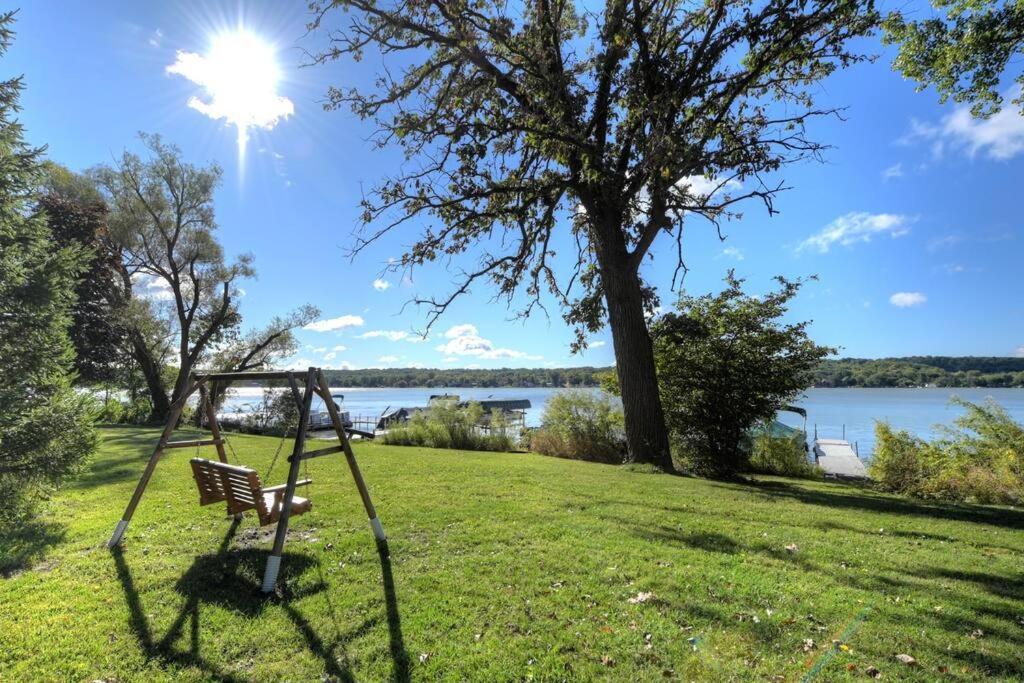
(808,644)
(873,672)
(906,659)
(424,656)
(792,547)
(943,669)
(977,633)
(607,661)
(641,597)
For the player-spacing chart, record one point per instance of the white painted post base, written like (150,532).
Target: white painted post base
(118,533)
(270,575)
(378,530)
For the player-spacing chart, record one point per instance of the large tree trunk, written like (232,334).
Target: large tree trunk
(646,435)
(151,370)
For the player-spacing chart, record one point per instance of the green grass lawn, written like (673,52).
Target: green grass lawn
(508,567)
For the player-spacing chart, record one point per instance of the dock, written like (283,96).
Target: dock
(836,458)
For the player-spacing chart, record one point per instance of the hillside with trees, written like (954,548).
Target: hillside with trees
(912,371)
(919,371)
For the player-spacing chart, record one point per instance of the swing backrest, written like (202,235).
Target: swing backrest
(239,486)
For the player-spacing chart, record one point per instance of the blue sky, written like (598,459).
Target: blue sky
(913,224)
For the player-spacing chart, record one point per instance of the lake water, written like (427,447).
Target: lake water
(917,410)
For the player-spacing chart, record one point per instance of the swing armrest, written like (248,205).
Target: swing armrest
(282,487)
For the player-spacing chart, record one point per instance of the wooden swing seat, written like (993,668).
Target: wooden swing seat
(240,487)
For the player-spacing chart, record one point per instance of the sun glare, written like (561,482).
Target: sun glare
(240,76)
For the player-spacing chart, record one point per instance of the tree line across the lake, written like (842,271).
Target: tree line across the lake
(912,371)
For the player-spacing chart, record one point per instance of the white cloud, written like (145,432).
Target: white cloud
(460,330)
(596,344)
(330,356)
(944,241)
(894,171)
(733,253)
(392,335)
(907,299)
(387,359)
(704,186)
(239,76)
(463,340)
(320,349)
(1019,352)
(453,359)
(151,287)
(156,39)
(381,285)
(339,323)
(1000,137)
(339,347)
(857,226)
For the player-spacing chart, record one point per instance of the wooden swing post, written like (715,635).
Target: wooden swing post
(274,561)
(339,429)
(172,421)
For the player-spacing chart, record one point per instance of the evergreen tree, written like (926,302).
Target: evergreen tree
(45,429)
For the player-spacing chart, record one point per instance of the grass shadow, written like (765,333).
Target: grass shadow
(858,497)
(399,655)
(25,543)
(232,579)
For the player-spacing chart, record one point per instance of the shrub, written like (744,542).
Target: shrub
(782,455)
(898,463)
(980,460)
(581,425)
(47,443)
(446,425)
(725,363)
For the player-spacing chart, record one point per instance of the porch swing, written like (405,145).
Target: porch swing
(240,487)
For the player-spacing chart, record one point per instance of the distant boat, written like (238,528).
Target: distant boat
(513,410)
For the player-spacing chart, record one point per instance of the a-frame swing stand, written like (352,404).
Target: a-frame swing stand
(315,383)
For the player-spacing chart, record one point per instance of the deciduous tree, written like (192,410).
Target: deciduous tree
(964,51)
(77,218)
(725,362)
(617,125)
(161,215)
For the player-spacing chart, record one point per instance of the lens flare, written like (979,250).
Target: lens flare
(240,77)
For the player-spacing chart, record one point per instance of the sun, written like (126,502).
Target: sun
(240,77)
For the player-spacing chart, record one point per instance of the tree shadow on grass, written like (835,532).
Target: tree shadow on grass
(25,542)
(232,579)
(859,497)
(138,447)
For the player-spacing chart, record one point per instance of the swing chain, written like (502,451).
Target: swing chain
(277,453)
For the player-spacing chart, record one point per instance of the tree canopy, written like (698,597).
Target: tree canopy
(963,52)
(77,218)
